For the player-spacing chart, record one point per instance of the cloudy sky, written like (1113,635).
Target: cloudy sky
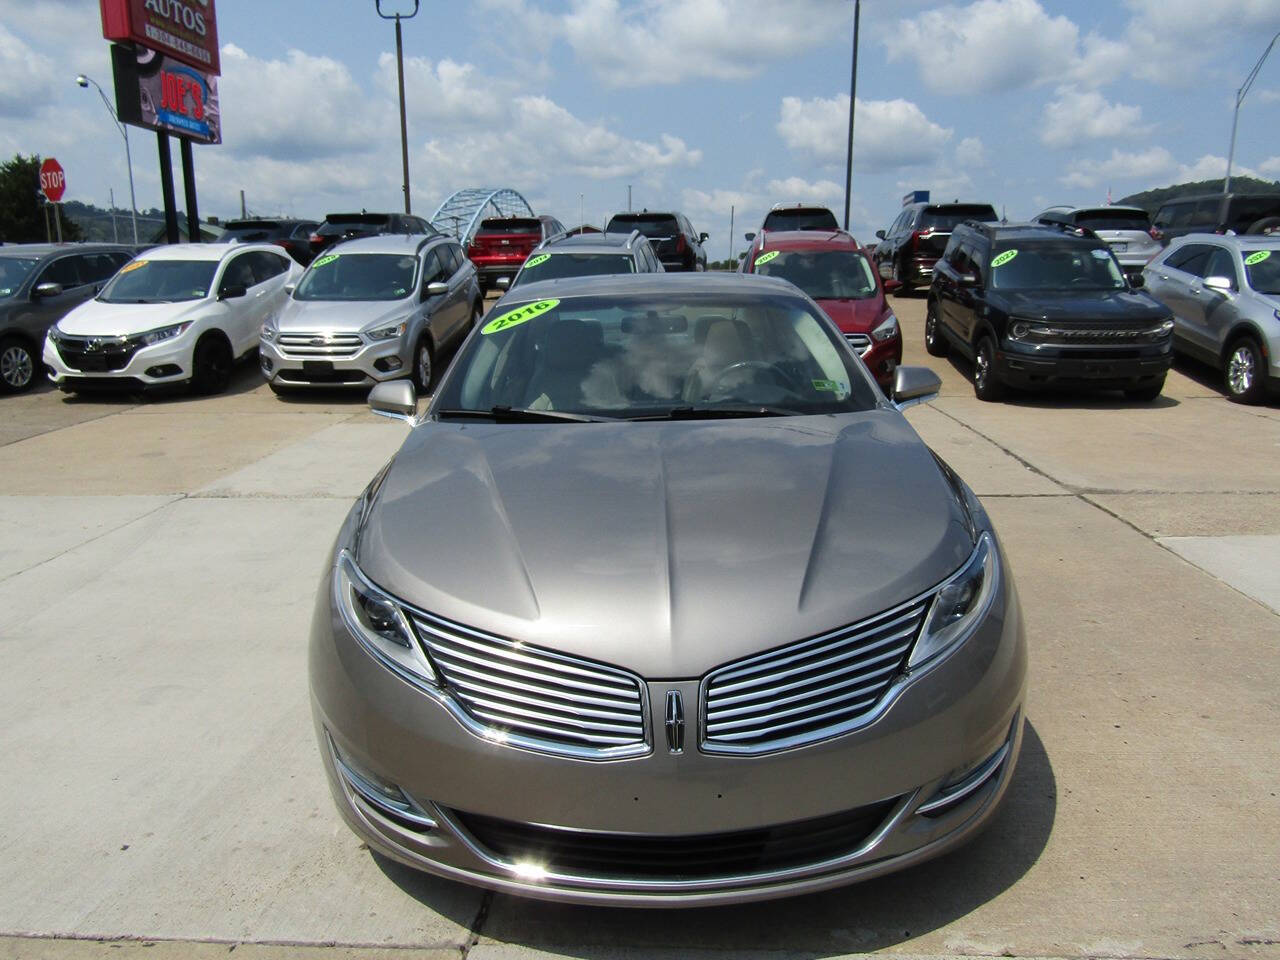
(697,104)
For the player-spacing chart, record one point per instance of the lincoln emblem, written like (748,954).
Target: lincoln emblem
(675,722)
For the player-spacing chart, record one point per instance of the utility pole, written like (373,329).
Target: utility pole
(243,215)
(628,198)
(1240,95)
(853,99)
(731,235)
(404,130)
(115,232)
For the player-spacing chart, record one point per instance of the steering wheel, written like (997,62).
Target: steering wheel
(778,375)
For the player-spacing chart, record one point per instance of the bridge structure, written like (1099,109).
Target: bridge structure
(463,210)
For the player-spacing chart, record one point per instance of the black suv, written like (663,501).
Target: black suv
(1217,213)
(1038,305)
(293,235)
(674,240)
(912,244)
(348,226)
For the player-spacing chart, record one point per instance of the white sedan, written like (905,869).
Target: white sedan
(175,315)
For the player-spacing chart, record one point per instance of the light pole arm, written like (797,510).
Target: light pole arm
(1235,116)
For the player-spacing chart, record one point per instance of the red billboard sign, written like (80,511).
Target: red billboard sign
(53,180)
(160,93)
(186,30)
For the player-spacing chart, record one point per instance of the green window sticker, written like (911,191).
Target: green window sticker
(766,257)
(534,261)
(1258,257)
(323,260)
(513,318)
(829,386)
(1001,259)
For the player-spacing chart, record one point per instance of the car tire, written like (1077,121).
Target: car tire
(18,365)
(211,365)
(986,382)
(424,364)
(1145,393)
(1245,372)
(1265,225)
(935,344)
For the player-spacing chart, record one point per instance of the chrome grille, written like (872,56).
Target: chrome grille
(1093,335)
(324,345)
(809,690)
(537,698)
(860,342)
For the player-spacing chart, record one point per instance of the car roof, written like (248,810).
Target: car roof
(28,250)
(800,206)
(404,243)
(589,243)
(205,251)
(629,284)
(265,223)
(1241,240)
(641,214)
(1030,231)
(1099,207)
(807,240)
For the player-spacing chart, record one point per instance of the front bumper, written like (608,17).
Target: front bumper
(938,725)
(363,366)
(882,358)
(1118,367)
(163,364)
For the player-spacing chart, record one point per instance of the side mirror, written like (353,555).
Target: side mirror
(892,285)
(48,290)
(750,236)
(435,288)
(1137,281)
(879,234)
(702,238)
(1221,284)
(503,283)
(912,385)
(395,399)
(232,291)
(967,279)
(289,288)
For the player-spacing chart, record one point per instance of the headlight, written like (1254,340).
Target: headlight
(1161,330)
(1018,329)
(270,328)
(386,333)
(162,333)
(960,603)
(888,328)
(378,623)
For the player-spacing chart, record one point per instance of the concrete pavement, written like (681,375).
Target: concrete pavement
(157,567)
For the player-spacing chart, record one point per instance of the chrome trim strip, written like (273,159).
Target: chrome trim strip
(369,794)
(765,679)
(969,784)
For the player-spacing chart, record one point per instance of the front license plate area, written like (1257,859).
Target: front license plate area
(317,366)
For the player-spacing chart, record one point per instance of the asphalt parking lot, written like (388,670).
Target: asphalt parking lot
(158,562)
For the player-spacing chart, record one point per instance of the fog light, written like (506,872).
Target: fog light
(164,370)
(267,364)
(387,364)
(387,798)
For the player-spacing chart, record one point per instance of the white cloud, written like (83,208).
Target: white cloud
(887,133)
(25,76)
(970,152)
(1210,167)
(1087,115)
(823,192)
(1121,166)
(1169,40)
(1270,167)
(447,92)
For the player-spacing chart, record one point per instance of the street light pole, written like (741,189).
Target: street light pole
(853,97)
(404,130)
(84,81)
(1235,117)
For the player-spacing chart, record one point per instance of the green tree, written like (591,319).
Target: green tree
(21,219)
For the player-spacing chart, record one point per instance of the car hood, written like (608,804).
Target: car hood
(855,316)
(338,316)
(1120,306)
(665,548)
(94,318)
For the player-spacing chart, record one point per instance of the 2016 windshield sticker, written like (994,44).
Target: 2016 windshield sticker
(1255,258)
(323,260)
(1001,259)
(137,264)
(534,261)
(516,317)
(829,386)
(766,257)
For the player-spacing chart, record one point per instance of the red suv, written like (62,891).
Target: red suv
(500,245)
(836,272)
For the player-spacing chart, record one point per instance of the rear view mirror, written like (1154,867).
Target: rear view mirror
(395,399)
(891,286)
(289,288)
(436,288)
(879,234)
(1221,284)
(702,238)
(48,290)
(750,236)
(912,385)
(1137,281)
(967,279)
(502,283)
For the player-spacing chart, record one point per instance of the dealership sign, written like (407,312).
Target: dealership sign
(161,93)
(185,30)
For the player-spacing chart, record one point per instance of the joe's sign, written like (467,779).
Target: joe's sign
(186,30)
(158,92)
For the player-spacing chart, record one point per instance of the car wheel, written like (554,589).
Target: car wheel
(1265,225)
(934,343)
(1145,393)
(17,365)
(424,367)
(211,366)
(1245,374)
(986,382)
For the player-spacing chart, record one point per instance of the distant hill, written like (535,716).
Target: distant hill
(1150,200)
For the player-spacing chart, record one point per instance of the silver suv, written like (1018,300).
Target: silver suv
(372,309)
(1224,293)
(587,255)
(1126,230)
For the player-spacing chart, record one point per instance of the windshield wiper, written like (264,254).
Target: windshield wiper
(719,412)
(505,414)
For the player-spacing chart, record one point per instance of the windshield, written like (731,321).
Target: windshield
(160,281)
(945,219)
(801,219)
(1262,267)
(358,276)
(553,266)
(249,232)
(822,274)
(13,270)
(650,226)
(647,355)
(512,225)
(1055,266)
(1113,220)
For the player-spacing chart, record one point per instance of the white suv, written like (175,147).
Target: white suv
(174,315)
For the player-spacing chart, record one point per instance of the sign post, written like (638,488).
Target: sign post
(53,183)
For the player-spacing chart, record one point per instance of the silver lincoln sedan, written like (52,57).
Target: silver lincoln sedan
(664,603)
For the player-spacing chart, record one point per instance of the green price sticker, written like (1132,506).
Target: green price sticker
(826,386)
(1258,257)
(323,260)
(513,318)
(766,257)
(1002,259)
(534,261)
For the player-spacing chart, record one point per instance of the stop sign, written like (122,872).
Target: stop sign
(53,180)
